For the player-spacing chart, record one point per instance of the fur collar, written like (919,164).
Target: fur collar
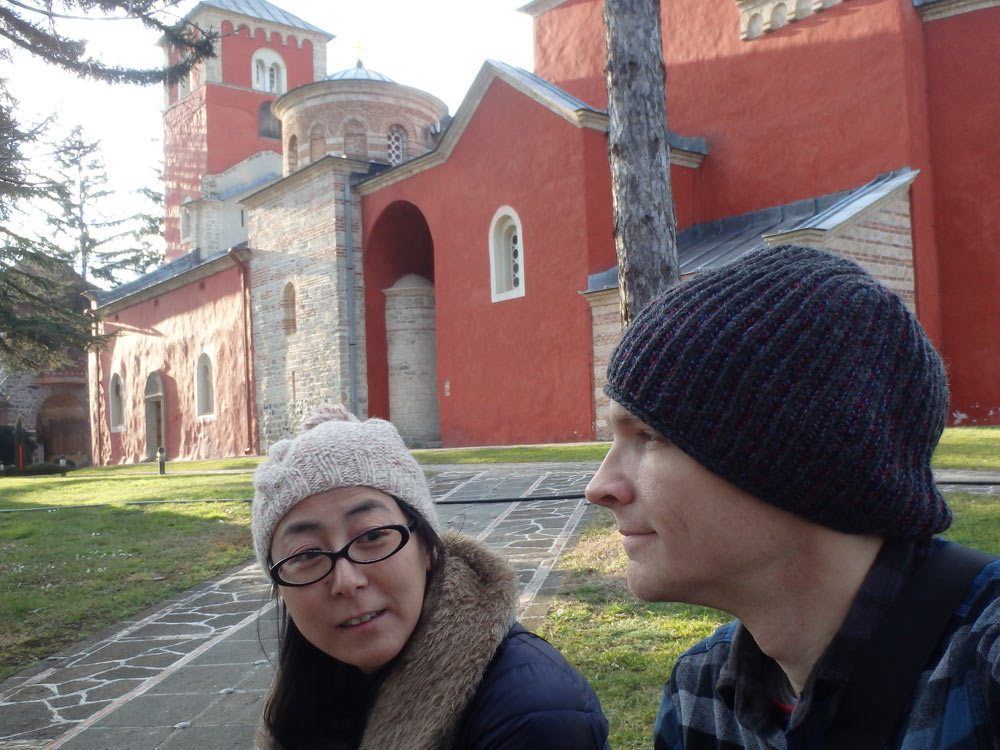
(468,610)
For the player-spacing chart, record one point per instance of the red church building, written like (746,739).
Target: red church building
(343,238)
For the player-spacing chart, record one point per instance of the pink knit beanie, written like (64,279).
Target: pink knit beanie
(335,449)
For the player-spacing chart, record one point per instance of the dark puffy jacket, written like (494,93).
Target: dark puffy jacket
(532,699)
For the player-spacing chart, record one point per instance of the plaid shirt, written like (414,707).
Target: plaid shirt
(719,694)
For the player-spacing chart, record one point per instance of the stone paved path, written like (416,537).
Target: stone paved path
(192,673)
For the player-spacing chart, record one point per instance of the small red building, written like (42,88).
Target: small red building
(342,238)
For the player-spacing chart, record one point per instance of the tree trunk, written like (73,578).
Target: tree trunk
(639,148)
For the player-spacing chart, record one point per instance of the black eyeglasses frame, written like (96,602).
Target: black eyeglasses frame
(405,532)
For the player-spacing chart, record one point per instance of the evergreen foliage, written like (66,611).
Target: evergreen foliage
(37,329)
(99,241)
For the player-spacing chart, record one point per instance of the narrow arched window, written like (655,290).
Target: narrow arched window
(258,75)
(116,403)
(396,145)
(293,153)
(204,388)
(185,224)
(288,309)
(506,255)
(317,143)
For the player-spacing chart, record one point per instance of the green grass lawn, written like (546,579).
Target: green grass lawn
(69,573)
(969,448)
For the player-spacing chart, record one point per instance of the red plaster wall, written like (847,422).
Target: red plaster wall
(819,106)
(215,126)
(964,102)
(167,334)
(517,370)
(569,49)
(238,50)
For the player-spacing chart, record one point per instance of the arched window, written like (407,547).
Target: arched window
(396,145)
(355,140)
(185,223)
(288,309)
(293,153)
(317,143)
(268,126)
(506,255)
(204,386)
(116,403)
(268,71)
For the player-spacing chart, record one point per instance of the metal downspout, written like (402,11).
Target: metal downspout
(352,343)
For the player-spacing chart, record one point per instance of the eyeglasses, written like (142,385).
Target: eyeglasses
(369,547)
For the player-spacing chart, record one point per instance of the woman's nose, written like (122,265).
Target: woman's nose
(346,578)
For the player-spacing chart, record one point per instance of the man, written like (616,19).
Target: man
(773,425)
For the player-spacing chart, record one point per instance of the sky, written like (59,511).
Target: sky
(434,45)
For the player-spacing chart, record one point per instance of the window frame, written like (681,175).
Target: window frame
(205,415)
(116,402)
(502,273)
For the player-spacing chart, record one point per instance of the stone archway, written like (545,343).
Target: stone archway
(63,428)
(155,423)
(398,244)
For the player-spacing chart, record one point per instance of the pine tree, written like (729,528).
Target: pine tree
(37,330)
(639,149)
(101,241)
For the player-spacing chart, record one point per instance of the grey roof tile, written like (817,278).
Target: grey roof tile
(158,276)
(711,244)
(264,10)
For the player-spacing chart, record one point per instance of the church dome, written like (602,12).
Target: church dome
(357,114)
(358,73)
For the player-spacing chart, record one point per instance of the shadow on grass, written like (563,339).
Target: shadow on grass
(69,573)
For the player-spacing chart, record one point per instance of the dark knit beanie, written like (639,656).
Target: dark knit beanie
(796,376)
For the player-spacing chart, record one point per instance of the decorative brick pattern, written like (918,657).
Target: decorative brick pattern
(297,235)
(357,118)
(757,17)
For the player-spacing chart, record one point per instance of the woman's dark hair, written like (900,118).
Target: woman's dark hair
(317,701)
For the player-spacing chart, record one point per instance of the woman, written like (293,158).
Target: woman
(392,636)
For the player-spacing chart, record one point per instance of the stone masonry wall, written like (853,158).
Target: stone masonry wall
(606,325)
(297,235)
(412,354)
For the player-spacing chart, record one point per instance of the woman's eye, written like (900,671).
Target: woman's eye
(373,536)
